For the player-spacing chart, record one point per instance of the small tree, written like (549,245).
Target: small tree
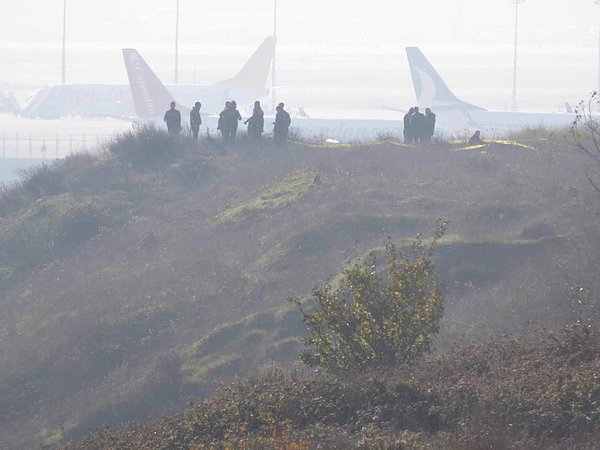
(372,320)
(586,133)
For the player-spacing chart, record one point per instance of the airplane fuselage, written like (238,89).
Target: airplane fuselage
(85,100)
(213,97)
(112,100)
(498,123)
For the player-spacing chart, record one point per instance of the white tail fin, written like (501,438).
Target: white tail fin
(256,71)
(429,87)
(150,97)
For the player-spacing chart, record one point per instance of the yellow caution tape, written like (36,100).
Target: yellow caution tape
(397,144)
(512,143)
(486,143)
(470,147)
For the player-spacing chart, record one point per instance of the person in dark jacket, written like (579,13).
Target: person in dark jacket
(476,139)
(282,125)
(195,120)
(429,124)
(256,123)
(232,117)
(408,134)
(222,125)
(418,126)
(173,120)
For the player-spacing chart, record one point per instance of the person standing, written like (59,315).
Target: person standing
(195,120)
(233,117)
(429,124)
(256,123)
(408,134)
(417,125)
(282,125)
(222,126)
(173,120)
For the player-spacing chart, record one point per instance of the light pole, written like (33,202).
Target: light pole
(273,71)
(177,44)
(597,2)
(514,93)
(64,44)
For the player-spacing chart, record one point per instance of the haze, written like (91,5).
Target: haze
(148,259)
(346,45)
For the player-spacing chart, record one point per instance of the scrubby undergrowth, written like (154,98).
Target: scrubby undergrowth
(537,390)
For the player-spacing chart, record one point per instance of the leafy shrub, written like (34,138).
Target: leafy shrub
(149,147)
(369,322)
(585,133)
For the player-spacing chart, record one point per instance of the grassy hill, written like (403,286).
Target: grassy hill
(135,281)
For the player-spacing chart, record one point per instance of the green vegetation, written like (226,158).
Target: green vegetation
(536,390)
(370,322)
(238,347)
(289,190)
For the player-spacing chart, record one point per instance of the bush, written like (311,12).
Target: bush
(370,322)
(585,133)
(149,147)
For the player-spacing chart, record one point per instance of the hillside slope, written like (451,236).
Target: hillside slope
(116,272)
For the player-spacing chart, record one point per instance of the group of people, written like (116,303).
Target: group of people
(418,127)
(229,120)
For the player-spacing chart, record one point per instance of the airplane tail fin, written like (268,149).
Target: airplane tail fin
(429,87)
(150,97)
(256,71)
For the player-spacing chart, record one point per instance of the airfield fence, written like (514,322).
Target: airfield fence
(41,146)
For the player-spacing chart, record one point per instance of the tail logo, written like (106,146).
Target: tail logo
(427,94)
(137,65)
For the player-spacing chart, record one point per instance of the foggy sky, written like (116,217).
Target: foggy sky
(559,39)
(543,22)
